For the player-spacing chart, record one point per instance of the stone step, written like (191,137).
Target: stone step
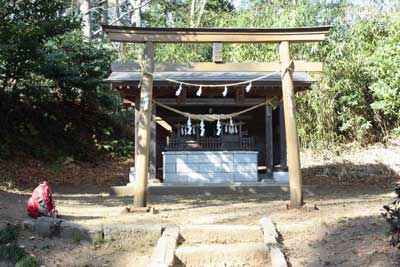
(221,234)
(223,255)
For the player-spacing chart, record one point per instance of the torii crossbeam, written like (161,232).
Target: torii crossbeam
(283,36)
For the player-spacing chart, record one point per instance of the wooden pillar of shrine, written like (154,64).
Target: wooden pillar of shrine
(144,128)
(282,139)
(137,117)
(153,144)
(295,177)
(269,145)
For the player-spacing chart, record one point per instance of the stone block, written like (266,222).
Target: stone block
(198,177)
(245,167)
(277,258)
(127,231)
(281,177)
(164,252)
(79,232)
(241,254)
(172,230)
(245,157)
(227,167)
(218,157)
(218,233)
(183,167)
(170,167)
(220,177)
(246,177)
(196,158)
(269,231)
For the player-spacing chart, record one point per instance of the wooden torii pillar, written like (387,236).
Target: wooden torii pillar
(295,176)
(284,37)
(143,133)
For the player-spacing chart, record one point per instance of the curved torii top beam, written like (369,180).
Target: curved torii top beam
(210,35)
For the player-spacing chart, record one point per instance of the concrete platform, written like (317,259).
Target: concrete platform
(207,189)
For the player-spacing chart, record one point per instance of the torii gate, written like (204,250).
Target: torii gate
(283,36)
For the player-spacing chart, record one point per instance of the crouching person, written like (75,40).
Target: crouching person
(41,203)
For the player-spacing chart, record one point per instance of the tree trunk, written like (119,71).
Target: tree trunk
(117,9)
(192,13)
(104,18)
(136,18)
(86,22)
(201,13)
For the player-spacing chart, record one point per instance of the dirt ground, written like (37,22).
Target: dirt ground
(339,226)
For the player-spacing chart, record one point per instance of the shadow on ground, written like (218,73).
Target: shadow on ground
(352,242)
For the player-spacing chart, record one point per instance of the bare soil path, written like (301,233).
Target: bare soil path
(340,225)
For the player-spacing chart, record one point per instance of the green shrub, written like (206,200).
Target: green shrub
(8,234)
(11,252)
(28,261)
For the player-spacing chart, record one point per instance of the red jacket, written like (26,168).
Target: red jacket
(41,202)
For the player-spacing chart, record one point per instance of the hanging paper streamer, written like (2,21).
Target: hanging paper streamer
(231,131)
(236,130)
(218,127)
(179,90)
(226,128)
(189,126)
(225,92)
(145,103)
(202,130)
(198,93)
(182,131)
(248,88)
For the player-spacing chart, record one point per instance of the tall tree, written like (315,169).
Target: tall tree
(85,8)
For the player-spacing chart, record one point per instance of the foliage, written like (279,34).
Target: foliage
(11,252)
(8,234)
(52,96)
(54,102)
(8,248)
(357,95)
(115,147)
(28,261)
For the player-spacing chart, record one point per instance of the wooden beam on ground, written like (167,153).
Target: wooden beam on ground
(269,144)
(142,159)
(214,35)
(295,177)
(134,66)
